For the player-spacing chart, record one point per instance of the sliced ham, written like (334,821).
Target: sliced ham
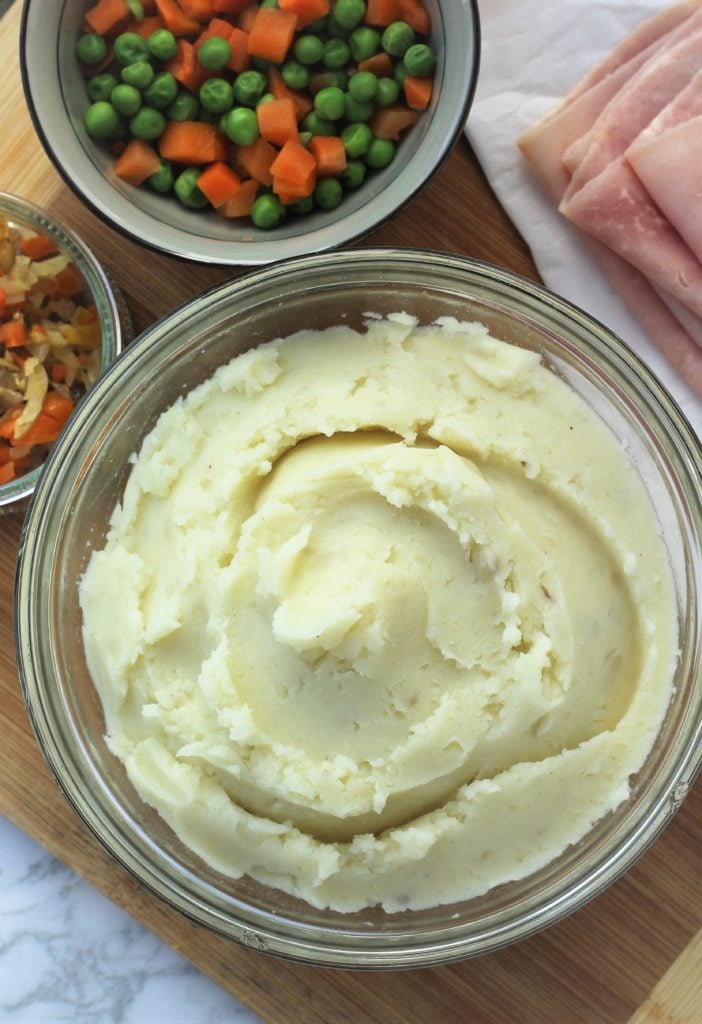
(655,84)
(545,143)
(647,306)
(691,323)
(617,210)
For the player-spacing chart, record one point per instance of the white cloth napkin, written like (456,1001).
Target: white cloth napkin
(532,53)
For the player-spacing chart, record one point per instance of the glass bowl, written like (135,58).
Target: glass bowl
(55,91)
(112,312)
(84,479)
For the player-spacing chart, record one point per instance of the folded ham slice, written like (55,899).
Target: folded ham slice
(653,86)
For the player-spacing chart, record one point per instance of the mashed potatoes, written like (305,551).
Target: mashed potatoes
(383,618)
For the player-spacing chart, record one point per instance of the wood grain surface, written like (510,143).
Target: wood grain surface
(632,955)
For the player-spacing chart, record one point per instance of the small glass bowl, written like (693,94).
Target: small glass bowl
(112,312)
(55,90)
(85,477)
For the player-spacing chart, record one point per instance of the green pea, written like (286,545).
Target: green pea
(348,13)
(185,188)
(420,60)
(329,103)
(215,53)
(303,206)
(363,86)
(101,120)
(308,49)
(210,116)
(304,139)
(328,193)
(267,97)
(126,100)
(400,73)
(267,212)
(136,9)
(295,75)
(162,180)
(129,48)
(216,95)
(272,4)
(147,124)
(100,87)
(183,108)
(356,139)
(355,111)
(262,65)
(353,175)
(162,44)
(380,153)
(241,126)
(397,38)
(248,88)
(139,74)
(336,53)
(341,78)
(364,42)
(162,91)
(91,48)
(388,92)
(314,124)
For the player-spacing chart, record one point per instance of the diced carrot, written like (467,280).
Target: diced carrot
(219,183)
(38,247)
(329,153)
(198,10)
(230,6)
(416,15)
(255,160)
(147,26)
(417,92)
(13,334)
(149,6)
(46,428)
(294,162)
(5,453)
(390,122)
(192,142)
(7,472)
(277,87)
(306,11)
(382,12)
(292,191)
(175,20)
(106,14)
(3,301)
(216,27)
(379,65)
(185,66)
(68,282)
(271,34)
(58,372)
(247,17)
(239,205)
(19,462)
(7,422)
(277,120)
(240,58)
(137,163)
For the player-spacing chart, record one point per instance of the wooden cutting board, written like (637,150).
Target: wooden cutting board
(633,954)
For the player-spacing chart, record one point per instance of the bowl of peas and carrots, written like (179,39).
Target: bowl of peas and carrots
(234,132)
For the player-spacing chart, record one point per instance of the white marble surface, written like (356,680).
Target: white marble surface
(67,954)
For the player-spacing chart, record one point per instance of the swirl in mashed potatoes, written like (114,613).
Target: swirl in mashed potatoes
(383,617)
